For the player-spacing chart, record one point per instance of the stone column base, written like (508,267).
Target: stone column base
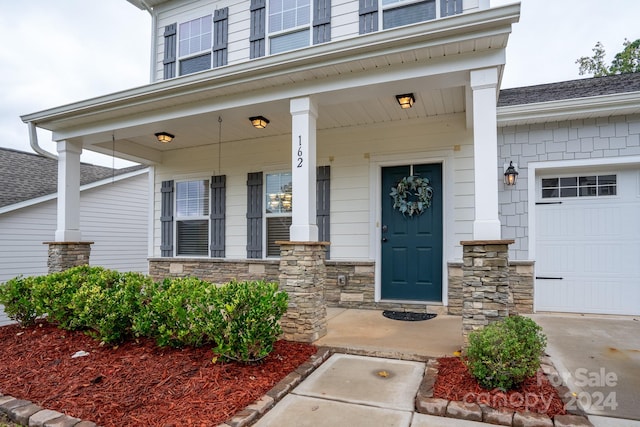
(303,275)
(486,292)
(65,255)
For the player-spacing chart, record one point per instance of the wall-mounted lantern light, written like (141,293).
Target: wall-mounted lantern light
(259,122)
(164,137)
(406,100)
(510,173)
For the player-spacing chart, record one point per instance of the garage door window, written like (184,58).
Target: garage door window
(579,186)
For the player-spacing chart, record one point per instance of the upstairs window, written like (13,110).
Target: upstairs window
(194,45)
(579,186)
(289,25)
(192,218)
(403,12)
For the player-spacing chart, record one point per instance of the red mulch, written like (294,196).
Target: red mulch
(137,383)
(454,382)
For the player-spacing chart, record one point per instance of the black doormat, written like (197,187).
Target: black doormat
(407,315)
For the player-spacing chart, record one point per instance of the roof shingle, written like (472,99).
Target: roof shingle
(572,89)
(25,176)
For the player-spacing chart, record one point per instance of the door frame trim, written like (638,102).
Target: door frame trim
(377,162)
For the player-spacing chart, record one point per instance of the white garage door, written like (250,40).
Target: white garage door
(588,243)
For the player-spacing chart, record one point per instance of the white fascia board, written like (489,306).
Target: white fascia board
(601,106)
(53,196)
(469,26)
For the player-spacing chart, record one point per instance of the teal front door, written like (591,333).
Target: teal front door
(411,258)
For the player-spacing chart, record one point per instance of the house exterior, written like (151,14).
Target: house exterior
(113,214)
(287,128)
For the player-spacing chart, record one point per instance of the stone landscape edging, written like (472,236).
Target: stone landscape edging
(425,403)
(29,414)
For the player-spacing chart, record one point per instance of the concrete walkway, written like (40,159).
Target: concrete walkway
(357,391)
(368,332)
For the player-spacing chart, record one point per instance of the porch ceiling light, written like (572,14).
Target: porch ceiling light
(510,174)
(164,137)
(259,122)
(406,100)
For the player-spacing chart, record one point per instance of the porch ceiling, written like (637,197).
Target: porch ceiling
(354,81)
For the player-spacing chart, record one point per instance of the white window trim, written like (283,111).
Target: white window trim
(382,8)
(270,35)
(577,175)
(200,53)
(177,219)
(266,215)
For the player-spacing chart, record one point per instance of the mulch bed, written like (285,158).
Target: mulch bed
(454,382)
(136,383)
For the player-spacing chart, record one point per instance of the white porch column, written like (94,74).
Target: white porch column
(304,113)
(68,229)
(484,83)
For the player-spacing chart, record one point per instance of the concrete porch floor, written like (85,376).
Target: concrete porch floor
(368,332)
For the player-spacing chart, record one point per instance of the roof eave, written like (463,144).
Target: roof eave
(431,33)
(569,109)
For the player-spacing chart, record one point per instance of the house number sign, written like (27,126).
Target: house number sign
(300,157)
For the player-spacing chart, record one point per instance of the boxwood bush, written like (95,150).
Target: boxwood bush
(179,312)
(251,311)
(505,353)
(240,320)
(16,296)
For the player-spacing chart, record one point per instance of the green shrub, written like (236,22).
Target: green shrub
(16,297)
(179,312)
(251,313)
(107,303)
(53,294)
(505,353)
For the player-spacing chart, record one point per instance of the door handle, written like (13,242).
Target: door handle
(384,239)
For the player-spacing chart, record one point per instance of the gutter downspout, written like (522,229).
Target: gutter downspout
(154,35)
(33,141)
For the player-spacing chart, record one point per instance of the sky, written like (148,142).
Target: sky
(57,52)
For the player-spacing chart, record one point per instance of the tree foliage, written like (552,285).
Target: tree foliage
(625,61)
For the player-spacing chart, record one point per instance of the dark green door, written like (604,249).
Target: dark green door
(412,245)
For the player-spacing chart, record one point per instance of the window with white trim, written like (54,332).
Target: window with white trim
(192,218)
(579,186)
(289,24)
(278,204)
(396,13)
(195,39)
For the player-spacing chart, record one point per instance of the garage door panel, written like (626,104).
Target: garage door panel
(594,295)
(593,245)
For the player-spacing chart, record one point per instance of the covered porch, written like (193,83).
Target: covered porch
(333,105)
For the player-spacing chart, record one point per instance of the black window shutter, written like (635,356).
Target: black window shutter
(257,35)
(218,208)
(450,7)
(254,215)
(221,35)
(323,195)
(166,219)
(321,21)
(170,43)
(368,16)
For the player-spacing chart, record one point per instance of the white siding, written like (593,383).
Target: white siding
(114,216)
(349,152)
(344,23)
